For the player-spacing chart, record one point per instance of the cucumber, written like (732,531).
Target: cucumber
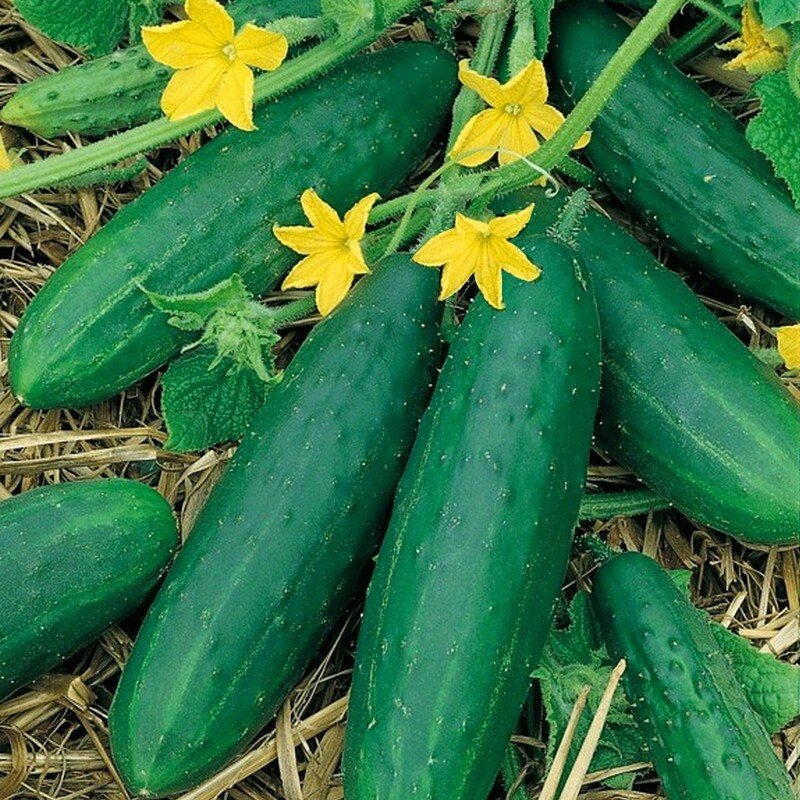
(74,559)
(284,540)
(118,90)
(705,740)
(685,404)
(462,596)
(91,330)
(682,163)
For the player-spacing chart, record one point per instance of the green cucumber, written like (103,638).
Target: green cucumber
(284,540)
(685,404)
(462,596)
(682,163)
(91,330)
(75,559)
(118,90)
(705,740)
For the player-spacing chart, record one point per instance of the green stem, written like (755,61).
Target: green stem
(577,171)
(291,312)
(695,41)
(515,176)
(621,504)
(722,16)
(319,59)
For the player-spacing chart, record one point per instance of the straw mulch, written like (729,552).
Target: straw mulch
(53,737)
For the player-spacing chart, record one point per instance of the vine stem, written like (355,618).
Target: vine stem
(695,41)
(721,15)
(515,176)
(62,168)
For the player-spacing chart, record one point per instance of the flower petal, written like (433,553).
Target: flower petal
(471,230)
(332,289)
(300,239)
(180,45)
(235,96)
(510,258)
(489,278)
(480,137)
(511,225)
(454,275)
(444,247)
(355,220)
(518,141)
(213,17)
(5,159)
(789,345)
(355,260)
(544,119)
(261,48)
(527,86)
(322,216)
(307,272)
(488,89)
(191,91)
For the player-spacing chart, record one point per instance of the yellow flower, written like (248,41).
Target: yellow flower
(789,345)
(332,247)
(482,249)
(213,62)
(761,50)
(5,159)
(518,112)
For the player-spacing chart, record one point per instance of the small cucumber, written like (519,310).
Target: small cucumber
(462,596)
(91,330)
(75,559)
(705,740)
(684,404)
(118,90)
(682,163)
(284,541)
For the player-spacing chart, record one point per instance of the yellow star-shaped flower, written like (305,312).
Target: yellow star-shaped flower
(482,249)
(789,345)
(332,249)
(760,49)
(213,62)
(518,111)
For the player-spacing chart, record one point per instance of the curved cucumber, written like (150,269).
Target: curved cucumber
(118,90)
(705,740)
(682,163)
(75,559)
(91,330)
(285,538)
(684,404)
(462,596)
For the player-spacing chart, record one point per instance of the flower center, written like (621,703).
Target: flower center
(229,51)
(513,108)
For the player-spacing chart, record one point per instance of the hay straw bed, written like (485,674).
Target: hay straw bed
(53,737)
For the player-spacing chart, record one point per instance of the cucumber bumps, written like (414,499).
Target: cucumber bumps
(461,600)
(285,538)
(705,740)
(682,163)
(75,559)
(91,330)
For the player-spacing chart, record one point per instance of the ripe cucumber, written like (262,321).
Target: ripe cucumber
(478,543)
(74,559)
(682,163)
(91,330)
(285,538)
(685,404)
(118,90)
(705,740)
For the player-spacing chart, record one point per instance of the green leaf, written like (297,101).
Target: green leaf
(352,17)
(206,400)
(778,12)
(95,26)
(144,12)
(776,130)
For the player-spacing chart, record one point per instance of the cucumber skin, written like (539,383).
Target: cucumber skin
(705,740)
(284,540)
(74,560)
(462,596)
(121,89)
(91,331)
(685,404)
(682,163)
